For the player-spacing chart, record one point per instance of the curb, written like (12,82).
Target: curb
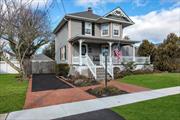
(3,116)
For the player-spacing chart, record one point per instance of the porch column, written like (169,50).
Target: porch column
(134,59)
(80,52)
(110,52)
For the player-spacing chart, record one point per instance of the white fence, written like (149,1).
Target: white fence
(6,68)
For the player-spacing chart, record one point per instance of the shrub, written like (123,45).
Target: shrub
(129,66)
(62,69)
(167,54)
(121,74)
(80,80)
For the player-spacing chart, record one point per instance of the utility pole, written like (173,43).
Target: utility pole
(106,69)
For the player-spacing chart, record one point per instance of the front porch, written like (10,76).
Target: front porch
(90,53)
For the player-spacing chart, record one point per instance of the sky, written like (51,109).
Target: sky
(154,19)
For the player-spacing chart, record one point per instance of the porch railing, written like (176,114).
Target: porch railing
(109,65)
(125,59)
(75,60)
(138,60)
(91,66)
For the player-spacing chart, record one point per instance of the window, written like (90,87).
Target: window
(63,53)
(105,30)
(88,28)
(116,30)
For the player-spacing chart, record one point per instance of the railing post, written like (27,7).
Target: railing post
(110,52)
(149,59)
(134,52)
(80,52)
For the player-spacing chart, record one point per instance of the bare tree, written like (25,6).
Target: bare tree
(26,29)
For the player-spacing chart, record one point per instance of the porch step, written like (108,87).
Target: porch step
(101,74)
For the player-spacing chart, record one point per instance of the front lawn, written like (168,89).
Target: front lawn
(154,81)
(166,108)
(12,93)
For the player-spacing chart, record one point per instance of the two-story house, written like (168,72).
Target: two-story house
(82,39)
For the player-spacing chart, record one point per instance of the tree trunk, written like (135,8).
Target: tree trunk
(27,66)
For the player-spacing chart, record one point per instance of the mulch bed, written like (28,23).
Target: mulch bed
(105,114)
(41,82)
(100,92)
(80,82)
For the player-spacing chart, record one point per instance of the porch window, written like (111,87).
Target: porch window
(116,30)
(88,28)
(63,53)
(105,30)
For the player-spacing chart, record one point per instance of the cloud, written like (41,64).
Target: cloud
(94,3)
(140,3)
(155,26)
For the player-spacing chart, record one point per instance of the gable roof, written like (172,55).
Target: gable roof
(41,57)
(118,14)
(90,16)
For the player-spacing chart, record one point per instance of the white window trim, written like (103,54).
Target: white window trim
(114,29)
(65,53)
(102,30)
(88,28)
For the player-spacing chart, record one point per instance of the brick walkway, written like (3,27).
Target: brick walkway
(52,97)
(60,96)
(122,86)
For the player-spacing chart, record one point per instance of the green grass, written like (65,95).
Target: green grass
(154,81)
(166,108)
(12,93)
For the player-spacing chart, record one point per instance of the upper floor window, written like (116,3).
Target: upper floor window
(105,30)
(88,28)
(116,30)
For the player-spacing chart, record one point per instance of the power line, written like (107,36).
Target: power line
(57,4)
(62,2)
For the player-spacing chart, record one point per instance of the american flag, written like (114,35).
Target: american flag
(117,53)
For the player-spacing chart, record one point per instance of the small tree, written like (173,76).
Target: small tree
(167,53)
(147,49)
(25,29)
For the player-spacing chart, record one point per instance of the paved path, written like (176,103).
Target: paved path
(68,95)
(53,97)
(63,110)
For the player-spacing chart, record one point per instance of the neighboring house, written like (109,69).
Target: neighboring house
(6,68)
(82,38)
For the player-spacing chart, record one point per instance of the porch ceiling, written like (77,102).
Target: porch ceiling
(92,39)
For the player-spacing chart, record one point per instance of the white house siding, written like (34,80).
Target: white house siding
(61,40)
(7,69)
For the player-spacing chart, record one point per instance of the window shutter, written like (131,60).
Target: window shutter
(65,52)
(83,28)
(93,29)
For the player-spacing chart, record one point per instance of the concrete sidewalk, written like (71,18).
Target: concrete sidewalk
(63,110)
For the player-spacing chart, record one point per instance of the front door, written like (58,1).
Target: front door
(84,49)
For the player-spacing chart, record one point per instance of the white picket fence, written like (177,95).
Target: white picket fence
(7,69)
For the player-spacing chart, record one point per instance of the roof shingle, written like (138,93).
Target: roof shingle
(86,14)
